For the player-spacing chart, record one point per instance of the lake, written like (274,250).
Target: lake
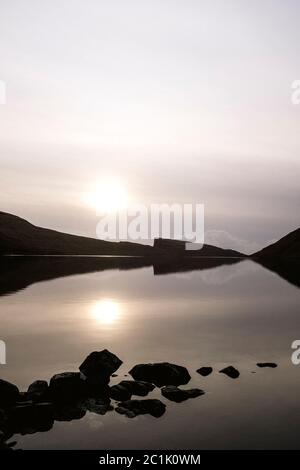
(234,314)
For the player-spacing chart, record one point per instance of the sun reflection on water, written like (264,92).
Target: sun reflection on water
(106,311)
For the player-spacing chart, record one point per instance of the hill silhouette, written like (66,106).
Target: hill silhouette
(178,247)
(282,257)
(56,254)
(20,237)
(288,246)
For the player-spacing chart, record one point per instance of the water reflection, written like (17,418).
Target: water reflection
(106,311)
(17,273)
(195,315)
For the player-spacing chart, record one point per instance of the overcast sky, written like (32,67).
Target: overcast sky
(180,100)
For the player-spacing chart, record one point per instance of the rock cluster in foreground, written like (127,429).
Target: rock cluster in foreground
(69,395)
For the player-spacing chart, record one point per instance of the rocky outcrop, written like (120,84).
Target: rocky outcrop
(125,389)
(99,406)
(205,371)
(99,366)
(29,417)
(231,372)
(8,392)
(38,391)
(67,385)
(267,364)
(162,373)
(70,395)
(173,393)
(132,408)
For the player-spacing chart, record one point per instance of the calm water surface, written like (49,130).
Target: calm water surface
(238,314)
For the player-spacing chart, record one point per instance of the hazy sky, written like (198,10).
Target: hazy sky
(180,100)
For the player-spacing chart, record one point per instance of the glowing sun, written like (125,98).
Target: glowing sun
(108,196)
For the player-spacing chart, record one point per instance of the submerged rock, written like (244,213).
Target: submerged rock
(9,393)
(132,408)
(231,372)
(67,386)
(162,373)
(204,371)
(125,389)
(98,406)
(267,364)
(38,391)
(99,366)
(173,393)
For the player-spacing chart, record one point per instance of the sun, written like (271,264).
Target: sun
(108,196)
(106,311)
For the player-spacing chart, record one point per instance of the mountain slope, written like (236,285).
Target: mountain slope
(288,246)
(178,246)
(19,237)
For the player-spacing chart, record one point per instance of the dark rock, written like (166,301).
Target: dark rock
(2,418)
(30,418)
(8,393)
(43,416)
(38,390)
(231,372)
(99,366)
(5,445)
(21,418)
(67,386)
(120,393)
(98,390)
(125,389)
(7,432)
(132,408)
(24,403)
(205,371)
(98,406)
(173,393)
(124,411)
(69,411)
(23,396)
(160,374)
(267,364)
(138,387)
